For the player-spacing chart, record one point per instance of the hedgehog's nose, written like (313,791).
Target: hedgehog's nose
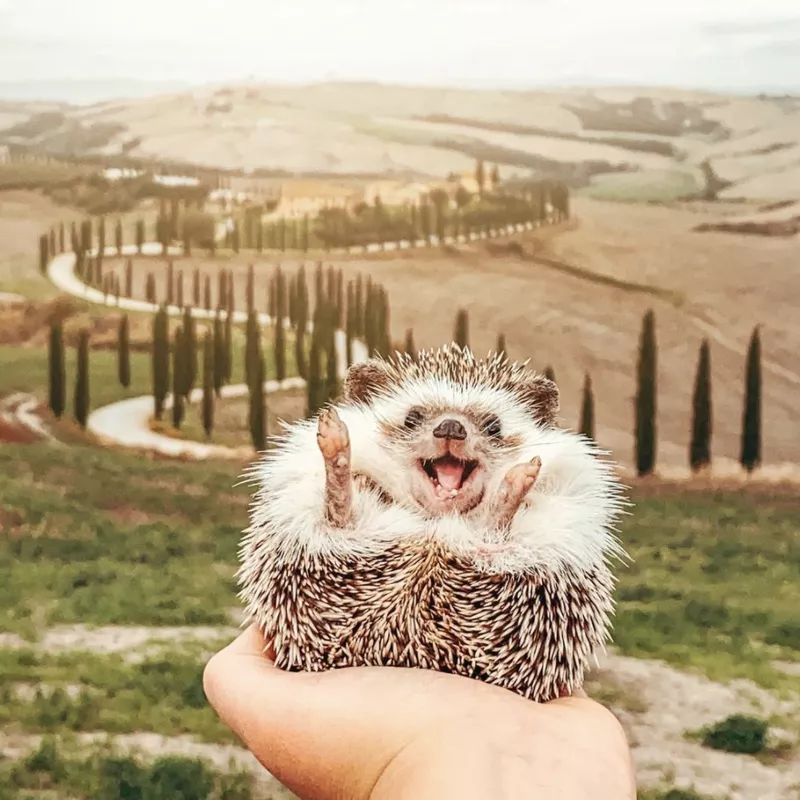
(450,429)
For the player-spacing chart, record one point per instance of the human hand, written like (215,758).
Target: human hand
(384,733)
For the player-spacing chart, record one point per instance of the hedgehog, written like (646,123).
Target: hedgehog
(436,517)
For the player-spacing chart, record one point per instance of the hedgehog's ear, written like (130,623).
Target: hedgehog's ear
(364,380)
(540,395)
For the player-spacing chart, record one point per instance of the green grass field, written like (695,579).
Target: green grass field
(25,369)
(108,538)
(646,186)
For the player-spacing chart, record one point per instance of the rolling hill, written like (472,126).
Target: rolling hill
(624,143)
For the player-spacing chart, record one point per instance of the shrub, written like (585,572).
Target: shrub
(174,778)
(738,733)
(121,778)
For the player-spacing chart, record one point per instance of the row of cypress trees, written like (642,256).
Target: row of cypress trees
(645,406)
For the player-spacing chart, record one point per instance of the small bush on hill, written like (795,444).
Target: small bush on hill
(738,733)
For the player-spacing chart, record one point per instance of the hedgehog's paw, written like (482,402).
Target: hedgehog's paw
(519,480)
(334,444)
(333,438)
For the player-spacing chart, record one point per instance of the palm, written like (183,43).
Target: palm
(344,733)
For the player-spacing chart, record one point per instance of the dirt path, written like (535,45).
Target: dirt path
(668,703)
(19,410)
(127,640)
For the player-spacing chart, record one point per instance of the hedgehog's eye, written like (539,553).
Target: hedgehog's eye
(414,419)
(492,427)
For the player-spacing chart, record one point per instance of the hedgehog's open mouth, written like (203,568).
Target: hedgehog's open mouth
(448,474)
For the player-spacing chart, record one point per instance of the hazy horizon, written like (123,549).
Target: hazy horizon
(512,44)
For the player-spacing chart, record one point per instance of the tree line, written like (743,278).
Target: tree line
(358,309)
(433,216)
(646,406)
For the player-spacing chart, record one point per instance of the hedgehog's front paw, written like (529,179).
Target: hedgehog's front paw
(519,480)
(333,438)
(334,444)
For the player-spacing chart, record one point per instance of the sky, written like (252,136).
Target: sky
(739,45)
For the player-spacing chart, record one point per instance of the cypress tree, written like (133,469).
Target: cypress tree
(236,237)
(646,409)
(44,253)
(160,360)
(549,373)
(384,332)
(500,348)
(331,372)
(272,296)
(340,306)
(258,415)
(139,235)
(101,238)
(370,313)
(61,238)
(150,289)
(179,289)
(300,329)
(219,353)
(129,278)
(359,307)
(251,288)
(207,294)
(208,383)
(315,385)
(178,377)
(118,237)
(57,371)
(124,352)
(587,409)
(252,348)
(222,289)
(350,324)
(461,334)
(700,445)
(409,348)
(319,286)
(330,285)
(196,288)
(170,283)
(231,306)
(750,456)
(293,301)
(190,357)
(52,241)
(228,346)
(81,398)
(280,331)
(86,235)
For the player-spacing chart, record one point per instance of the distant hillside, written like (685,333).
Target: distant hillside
(626,143)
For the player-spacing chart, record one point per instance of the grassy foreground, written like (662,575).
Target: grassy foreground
(107,538)
(111,538)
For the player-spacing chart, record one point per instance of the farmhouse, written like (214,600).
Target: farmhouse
(395,193)
(300,197)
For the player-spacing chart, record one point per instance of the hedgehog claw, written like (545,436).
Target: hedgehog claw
(519,480)
(333,439)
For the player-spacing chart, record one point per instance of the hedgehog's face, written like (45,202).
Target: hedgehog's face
(449,427)
(452,456)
